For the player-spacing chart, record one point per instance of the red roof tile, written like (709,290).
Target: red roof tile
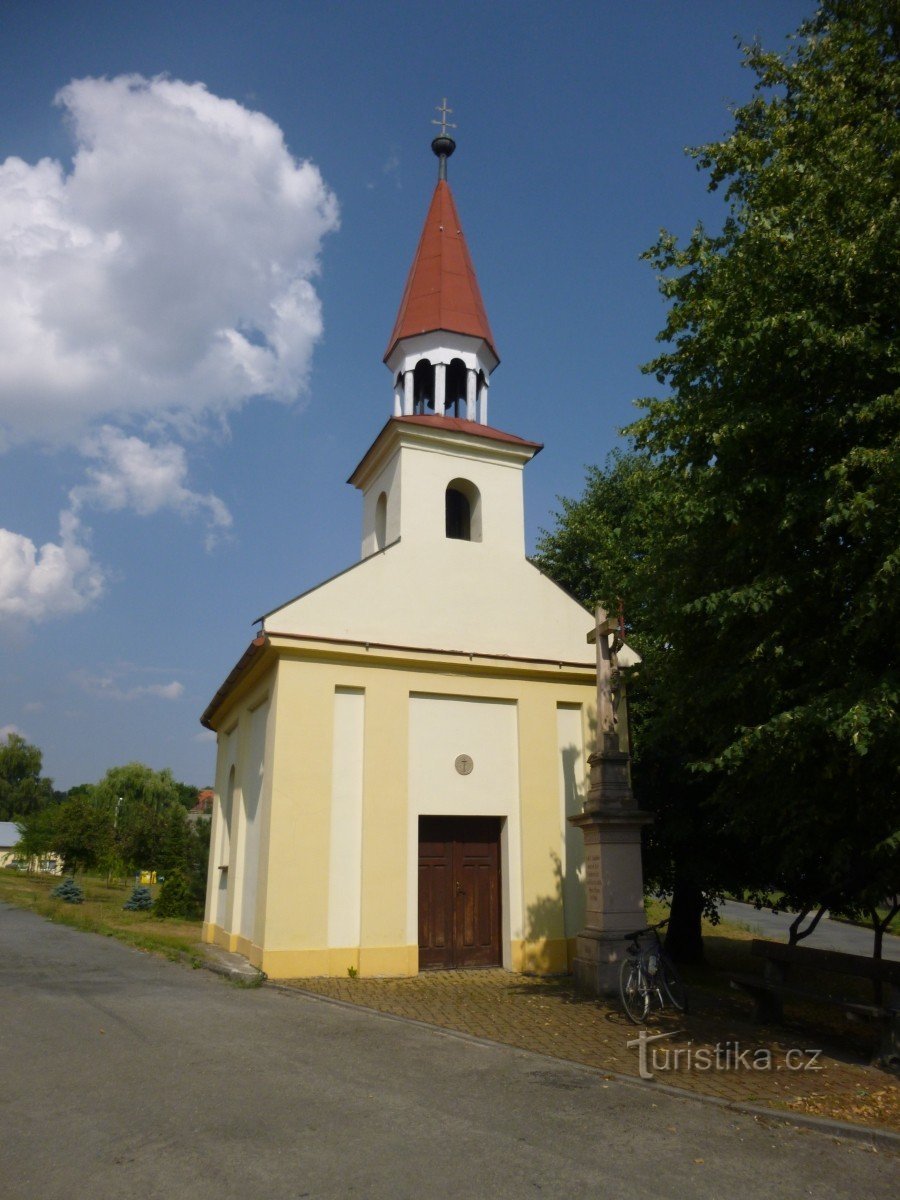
(453,424)
(460,425)
(442,290)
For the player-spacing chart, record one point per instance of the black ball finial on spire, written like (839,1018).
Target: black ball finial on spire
(443,147)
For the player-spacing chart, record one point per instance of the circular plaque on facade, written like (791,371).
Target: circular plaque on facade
(464,764)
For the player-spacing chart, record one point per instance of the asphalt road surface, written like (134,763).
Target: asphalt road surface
(124,1075)
(828,935)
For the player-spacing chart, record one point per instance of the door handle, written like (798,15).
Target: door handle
(460,891)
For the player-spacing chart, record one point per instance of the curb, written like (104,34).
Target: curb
(879,1139)
(246,974)
(257,979)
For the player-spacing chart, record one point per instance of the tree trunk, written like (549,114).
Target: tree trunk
(684,940)
(796,934)
(881,927)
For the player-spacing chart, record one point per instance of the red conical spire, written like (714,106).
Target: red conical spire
(442,291)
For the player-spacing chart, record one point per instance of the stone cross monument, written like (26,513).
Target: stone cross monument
(611,824)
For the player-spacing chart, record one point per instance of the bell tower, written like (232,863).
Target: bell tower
(438,475)
(441,352)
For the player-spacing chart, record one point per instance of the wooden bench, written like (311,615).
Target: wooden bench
(776,984)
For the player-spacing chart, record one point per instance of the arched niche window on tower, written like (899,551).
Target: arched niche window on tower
(462,509)
(423,387)
(381,521)
(455,402)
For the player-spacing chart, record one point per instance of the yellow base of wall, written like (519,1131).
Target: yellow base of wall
(544,957)
(369,961)
(214,935)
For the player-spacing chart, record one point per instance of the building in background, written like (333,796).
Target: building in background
(49,864)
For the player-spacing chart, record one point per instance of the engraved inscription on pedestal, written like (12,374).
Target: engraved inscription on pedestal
(594,884)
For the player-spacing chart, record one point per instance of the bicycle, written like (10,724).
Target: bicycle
(647,972)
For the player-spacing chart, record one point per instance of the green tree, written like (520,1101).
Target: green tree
(37,835)
(187,794)
(82,833)
(198,860)
(176,897)
(783,419)
(23,789)
(140,805)
(777,446)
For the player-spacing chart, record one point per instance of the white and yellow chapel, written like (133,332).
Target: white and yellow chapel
(400,746)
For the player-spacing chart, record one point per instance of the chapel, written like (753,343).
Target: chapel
(400,746)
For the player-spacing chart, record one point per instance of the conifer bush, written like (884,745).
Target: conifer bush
(176,897)
(140,900)
(69,891)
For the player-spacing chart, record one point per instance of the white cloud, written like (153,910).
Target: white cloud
(33,706)
(205,735)
(39,584)
(130,473)
(109,687)
(165,691)
(6,730)
(167,274)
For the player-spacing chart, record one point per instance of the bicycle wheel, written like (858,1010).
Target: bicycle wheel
(672,985)
(633,991)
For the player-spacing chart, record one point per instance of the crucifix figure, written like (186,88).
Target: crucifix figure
(608,681)
(443,122)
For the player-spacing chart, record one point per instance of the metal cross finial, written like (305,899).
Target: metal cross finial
(443,122)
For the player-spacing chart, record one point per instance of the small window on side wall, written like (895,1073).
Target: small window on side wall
(380,521)
(462,510)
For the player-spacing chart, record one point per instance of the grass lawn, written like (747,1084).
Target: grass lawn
(102,913)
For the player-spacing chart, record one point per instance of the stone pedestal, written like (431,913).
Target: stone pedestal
(614,876)
(615,894)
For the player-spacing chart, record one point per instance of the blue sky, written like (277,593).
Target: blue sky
(197,300)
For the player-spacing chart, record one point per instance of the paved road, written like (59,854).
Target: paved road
(126,1075)
(828,935)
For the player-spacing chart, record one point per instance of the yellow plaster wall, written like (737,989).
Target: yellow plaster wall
(292,918)
(384,850)
(265,812)
(233,743)
(296,854)
(542,841)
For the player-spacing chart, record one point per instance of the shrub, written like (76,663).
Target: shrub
(69,891)
(140,900)
(176,897)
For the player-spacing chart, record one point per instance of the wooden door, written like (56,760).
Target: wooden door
(459,892)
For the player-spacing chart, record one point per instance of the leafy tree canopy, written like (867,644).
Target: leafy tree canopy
(133,818)
(782,429)
(23,790)
(772,466)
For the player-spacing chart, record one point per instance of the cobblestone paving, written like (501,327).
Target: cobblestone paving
(552,1017)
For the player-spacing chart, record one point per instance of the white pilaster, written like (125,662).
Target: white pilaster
(407,393)
(440,388)
(471,394)
(483,402)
